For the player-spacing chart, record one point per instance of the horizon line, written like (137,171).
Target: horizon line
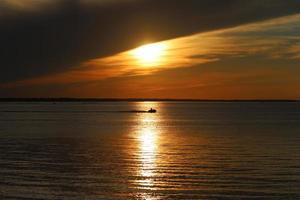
(78,99)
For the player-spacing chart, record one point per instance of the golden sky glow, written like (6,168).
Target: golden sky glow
(150,54)
(271,43)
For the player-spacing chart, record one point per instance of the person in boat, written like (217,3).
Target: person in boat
(152,110)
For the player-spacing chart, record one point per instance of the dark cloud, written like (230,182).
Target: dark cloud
(51,40)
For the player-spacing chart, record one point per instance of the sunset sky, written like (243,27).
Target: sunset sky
(186,49)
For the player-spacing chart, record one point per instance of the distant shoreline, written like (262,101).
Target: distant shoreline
(136,100)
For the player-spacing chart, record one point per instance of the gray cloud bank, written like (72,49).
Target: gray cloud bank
(41,38)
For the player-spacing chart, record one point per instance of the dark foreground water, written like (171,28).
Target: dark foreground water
(187,150)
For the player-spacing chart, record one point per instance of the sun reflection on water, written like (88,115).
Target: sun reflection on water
(148,147)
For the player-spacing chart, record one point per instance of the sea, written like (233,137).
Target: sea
(186,150)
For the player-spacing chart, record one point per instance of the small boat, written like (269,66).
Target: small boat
(152,110)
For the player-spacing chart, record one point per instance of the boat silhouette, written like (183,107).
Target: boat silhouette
(142,111)
(152,110)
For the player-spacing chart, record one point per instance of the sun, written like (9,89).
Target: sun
(149,54)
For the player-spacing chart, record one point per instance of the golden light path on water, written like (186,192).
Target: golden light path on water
(148,135)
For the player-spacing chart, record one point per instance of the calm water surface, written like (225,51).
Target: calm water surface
(187,150)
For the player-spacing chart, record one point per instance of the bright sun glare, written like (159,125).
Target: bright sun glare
(149,54)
